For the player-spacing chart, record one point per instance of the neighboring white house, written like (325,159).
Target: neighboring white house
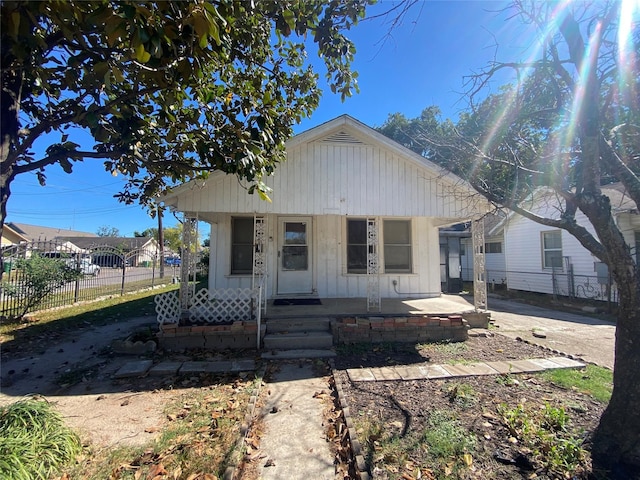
(547,260)
(341,183)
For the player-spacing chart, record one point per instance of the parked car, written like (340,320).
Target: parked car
(88,268)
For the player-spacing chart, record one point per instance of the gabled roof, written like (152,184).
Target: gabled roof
(12,236)
(37,232)
(126,243)
(341,130)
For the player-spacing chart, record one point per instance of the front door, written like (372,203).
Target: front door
(294,256)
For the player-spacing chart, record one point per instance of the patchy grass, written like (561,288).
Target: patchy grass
(198,441)
(34,441)
(100,312)
(591,380)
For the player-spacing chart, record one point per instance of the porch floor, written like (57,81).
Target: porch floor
(331,307)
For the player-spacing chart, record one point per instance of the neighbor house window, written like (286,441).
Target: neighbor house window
(241,245)
(552,249)
(397,246)
(356,246)
(493,247)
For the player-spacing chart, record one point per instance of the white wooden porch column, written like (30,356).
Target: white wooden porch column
(479,274)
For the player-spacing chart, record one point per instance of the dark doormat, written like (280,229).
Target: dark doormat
(297,301)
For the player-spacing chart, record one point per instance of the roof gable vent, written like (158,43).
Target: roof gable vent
(342,137)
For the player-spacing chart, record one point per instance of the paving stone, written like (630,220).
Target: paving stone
(192,367)
(385,373)
(504,367)
(567,362)
(243,365)
(526,366)
(545,363)
(165,368)
(436,371)
(474,369)
(134,369)
(456,370)
(360,375)
(413,372)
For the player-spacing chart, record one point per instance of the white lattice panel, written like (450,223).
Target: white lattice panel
(167,307)
(223,305)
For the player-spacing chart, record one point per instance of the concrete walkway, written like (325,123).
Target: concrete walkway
(294,438)
(588,337)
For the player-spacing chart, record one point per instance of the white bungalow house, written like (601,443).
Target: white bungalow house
(351,210)
(542,259)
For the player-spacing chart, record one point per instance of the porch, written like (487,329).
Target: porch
(341,307)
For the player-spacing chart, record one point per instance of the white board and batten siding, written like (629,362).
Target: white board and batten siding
(344,172)
(328,261)
(338,170)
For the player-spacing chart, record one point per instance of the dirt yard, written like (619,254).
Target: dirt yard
(495,427)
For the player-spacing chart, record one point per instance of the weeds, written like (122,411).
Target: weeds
(448,445)
(461,394)
(34,441)
(543,432)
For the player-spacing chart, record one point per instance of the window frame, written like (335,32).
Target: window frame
(385,244)
(349,270)
(545,250)
(490,246)
(234,244)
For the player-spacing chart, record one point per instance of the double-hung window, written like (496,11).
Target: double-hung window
(397,246)
(241,245)
(552,249)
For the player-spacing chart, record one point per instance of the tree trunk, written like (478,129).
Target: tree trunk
(616,443)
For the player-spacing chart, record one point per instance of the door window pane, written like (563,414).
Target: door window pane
(295,233)
(294,258)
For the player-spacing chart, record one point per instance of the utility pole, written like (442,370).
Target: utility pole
(160,240)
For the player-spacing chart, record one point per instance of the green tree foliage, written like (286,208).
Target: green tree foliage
(39,277)
(570,123)
(166,90)
(106,231)
(149,233)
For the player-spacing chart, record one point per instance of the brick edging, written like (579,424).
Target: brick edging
(236,456)
(360,465)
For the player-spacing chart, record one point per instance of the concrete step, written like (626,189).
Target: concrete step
(292,325)
(298,353)
(298,340)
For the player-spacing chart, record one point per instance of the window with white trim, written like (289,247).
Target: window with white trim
(397,246)
(552,249)
(241,245)
(356,245)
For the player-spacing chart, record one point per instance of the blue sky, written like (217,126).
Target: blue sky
(421,63)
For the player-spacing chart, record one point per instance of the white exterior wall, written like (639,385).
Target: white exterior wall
(321,178)
(495,263)
(328,260)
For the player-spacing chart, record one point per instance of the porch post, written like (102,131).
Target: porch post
(187,263)
(373,267)
(259,258)
(479,275)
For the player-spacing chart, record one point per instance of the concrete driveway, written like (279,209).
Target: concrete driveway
(587,337)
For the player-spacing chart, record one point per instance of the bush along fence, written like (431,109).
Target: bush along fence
(47,274)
